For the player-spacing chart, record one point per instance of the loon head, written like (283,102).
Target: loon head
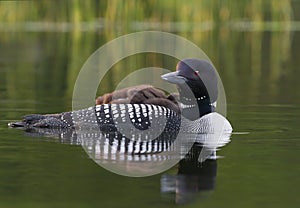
(197,83)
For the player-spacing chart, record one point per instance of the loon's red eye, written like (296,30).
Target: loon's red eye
(196,73)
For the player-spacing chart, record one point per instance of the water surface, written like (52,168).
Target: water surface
(259,168)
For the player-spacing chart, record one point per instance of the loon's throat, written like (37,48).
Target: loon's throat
(194,109)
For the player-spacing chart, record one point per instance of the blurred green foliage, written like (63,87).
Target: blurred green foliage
(139,10)
(47,42)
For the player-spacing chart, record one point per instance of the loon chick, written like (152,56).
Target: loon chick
(195,79)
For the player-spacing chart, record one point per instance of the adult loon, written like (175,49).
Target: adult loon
(144,105)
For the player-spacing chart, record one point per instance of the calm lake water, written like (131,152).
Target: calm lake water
(258,168)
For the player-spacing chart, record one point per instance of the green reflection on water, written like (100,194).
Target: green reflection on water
(268,56)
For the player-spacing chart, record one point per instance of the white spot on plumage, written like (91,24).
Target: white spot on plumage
(144,110)
(154,107)
(137,107)
(155,110)
(98,107)
(131,115)
(113,107)
(130,109)
(160,110)
(122,107)
(123,111)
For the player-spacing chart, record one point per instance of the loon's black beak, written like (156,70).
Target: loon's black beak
(174,78)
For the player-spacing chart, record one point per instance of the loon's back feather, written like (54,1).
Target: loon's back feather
(108,117)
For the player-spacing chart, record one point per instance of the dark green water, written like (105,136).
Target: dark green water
(260,167)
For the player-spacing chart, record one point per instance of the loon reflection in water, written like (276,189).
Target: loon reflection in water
(197,166)
(192,181)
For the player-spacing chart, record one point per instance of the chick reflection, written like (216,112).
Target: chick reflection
(193,177)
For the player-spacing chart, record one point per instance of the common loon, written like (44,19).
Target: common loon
(145,106)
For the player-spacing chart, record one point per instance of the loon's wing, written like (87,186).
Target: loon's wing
(140,94)
(107,117)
